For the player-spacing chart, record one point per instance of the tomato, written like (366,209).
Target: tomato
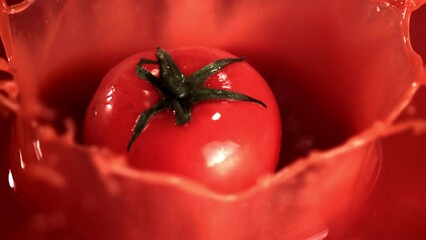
(225,144)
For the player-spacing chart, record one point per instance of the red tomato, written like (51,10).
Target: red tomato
(225,144)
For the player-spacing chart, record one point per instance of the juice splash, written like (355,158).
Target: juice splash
(345,78)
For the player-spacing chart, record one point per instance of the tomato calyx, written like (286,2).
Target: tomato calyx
(181,93)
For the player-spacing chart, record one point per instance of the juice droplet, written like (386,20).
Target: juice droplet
(402,5)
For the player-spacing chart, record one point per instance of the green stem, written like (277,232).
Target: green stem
(180,93)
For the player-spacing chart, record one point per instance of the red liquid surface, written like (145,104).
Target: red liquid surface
(334,74)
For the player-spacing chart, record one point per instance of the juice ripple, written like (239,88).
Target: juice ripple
(336,73)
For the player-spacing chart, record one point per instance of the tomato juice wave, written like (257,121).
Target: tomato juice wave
(288,204)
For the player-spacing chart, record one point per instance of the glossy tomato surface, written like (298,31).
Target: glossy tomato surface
(227,145)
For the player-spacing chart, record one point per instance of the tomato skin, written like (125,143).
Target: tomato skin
(226,146)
